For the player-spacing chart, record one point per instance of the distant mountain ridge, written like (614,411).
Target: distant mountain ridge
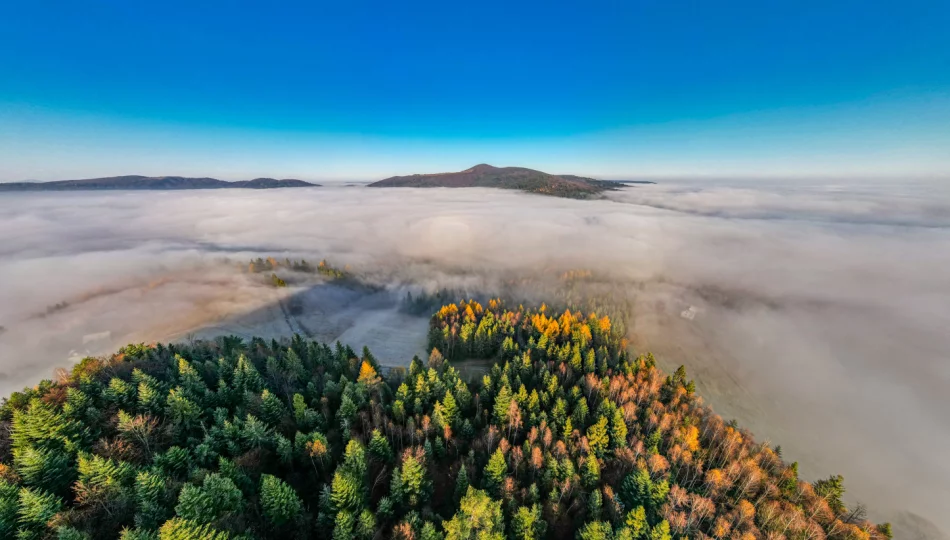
(519,178)
(137,182)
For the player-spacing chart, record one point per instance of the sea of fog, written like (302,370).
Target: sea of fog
(815,314)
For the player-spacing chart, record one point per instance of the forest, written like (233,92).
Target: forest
(564,434)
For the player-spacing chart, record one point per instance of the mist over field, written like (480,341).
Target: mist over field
(814,314)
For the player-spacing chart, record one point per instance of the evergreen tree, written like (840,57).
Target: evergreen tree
(64,532)
(182,529)
(635,524)
(429,532)
(344,525)
(461,482)
(597,437)
(36,510)
(618,430)
(449,409)
(305,417)
(415,483)
(48,470)
(528,524)
(379,447)
(217,497)
(9,506)
(661,531)
(478,518)
(150,493)
(495,471)
(272,410)
(279,501)
(502,403)
(347,491)
(832,489)
(596,530)
(591,472)
(366,525)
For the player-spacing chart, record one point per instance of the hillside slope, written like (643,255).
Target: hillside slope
(151,183)
(519,178)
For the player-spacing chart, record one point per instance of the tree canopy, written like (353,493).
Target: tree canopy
(566,435)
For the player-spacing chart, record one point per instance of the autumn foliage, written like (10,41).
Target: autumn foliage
(566,435)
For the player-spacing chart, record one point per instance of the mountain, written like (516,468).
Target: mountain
(519,178)
(152,183)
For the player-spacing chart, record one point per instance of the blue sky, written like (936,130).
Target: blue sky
(362,90)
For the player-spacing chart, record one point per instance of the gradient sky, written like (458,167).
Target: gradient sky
(363,90)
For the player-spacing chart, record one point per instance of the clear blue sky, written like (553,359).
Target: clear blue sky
(360,90)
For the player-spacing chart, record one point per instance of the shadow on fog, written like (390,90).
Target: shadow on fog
(352,313)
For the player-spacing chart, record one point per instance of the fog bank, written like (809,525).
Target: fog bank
(815,315)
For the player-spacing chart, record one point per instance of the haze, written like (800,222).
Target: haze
(814,315)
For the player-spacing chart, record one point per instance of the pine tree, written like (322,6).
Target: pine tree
(37,508)
(279,501)
(429,532)
(138,534)
(305,417)
(502,402)
(832,489)
(591,472)
(415,484)
(182,529)
(638,489)
(175,462)
(461,482)
(344,525)
(596,530)
(528,524)
(579,415)
(182,411)
(479,517)
(618,430)
(597,437)
(120,393)
(495,471)
(41,426)
(661,531)
(636,523)
(449,409)
(151,398)
(272,409)
(595,504)
(354,458)
(366,525)
(70,533)
(150,490)
(216,497)
(346,491)
(9,505)
(48,470)
(379,447)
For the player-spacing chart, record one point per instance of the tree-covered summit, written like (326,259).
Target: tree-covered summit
(566,435)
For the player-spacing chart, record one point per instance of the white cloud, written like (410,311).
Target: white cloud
(818,315)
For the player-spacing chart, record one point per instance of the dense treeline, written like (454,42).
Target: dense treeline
(271,264)
(566,436)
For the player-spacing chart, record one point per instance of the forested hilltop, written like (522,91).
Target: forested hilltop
(137,182)
(519,178)
(566,435)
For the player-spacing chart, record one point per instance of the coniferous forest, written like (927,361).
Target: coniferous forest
(563,434)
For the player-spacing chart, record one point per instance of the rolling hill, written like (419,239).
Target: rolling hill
(137,182)
(518,178)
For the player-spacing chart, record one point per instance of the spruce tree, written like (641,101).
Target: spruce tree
(279,501)
(495,471)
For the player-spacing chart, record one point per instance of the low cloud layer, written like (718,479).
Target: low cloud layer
(816,315)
